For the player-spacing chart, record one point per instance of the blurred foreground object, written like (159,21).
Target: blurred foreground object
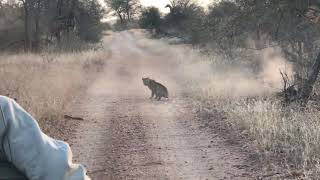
(33,153)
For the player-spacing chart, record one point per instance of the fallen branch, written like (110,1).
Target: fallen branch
(289,91)
(73,118)
(96,171)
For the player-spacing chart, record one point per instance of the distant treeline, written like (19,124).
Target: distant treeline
(292,25)
(239,29)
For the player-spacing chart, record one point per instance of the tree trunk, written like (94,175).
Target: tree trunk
(37,36)
(58,27)
(27,41)
(128,15)
(120,17)
(37,27)
(59,7)
(128,10)
(307,87)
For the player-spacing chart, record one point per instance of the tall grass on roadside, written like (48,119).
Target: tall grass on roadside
(291,133)
(44,84)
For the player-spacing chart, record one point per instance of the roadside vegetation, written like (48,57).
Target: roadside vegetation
(46,84)
(60,25)
(49,51)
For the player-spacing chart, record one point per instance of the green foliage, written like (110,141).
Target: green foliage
(35,24)
(125,10)
(228,25)
(11,26)
(150,18)
(185,19)
(221,23)
(89,27)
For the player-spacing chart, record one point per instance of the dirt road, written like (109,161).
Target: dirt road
(126,135)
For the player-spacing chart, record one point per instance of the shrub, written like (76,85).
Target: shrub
(150,18)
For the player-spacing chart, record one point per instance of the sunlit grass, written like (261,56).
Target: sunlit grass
(44,84)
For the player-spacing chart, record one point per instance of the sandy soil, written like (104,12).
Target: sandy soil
(125,135)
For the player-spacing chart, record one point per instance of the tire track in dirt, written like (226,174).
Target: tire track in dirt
(125,135)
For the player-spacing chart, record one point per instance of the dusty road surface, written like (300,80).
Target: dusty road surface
(125,135)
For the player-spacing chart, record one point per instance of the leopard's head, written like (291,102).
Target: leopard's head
(146,81)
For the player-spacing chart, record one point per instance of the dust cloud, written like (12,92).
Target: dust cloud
(186,70)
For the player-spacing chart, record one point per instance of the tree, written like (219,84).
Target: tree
(150,18)
(27,40)
(37,14)
(88,21)
(124,9)
(179,9)
(132,7)
(185,19)
(221,27)
(11,26)
(181,3)
(117,7)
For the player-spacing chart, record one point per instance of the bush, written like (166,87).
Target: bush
(150,18)
(121,26)
(185,20)
(90,28)
(11,28)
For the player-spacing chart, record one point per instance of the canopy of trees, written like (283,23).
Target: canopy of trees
(125,10)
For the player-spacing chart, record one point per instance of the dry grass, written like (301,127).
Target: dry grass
(44,84)
(286,138)
(290,133)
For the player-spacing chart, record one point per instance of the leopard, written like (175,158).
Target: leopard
(157,89)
